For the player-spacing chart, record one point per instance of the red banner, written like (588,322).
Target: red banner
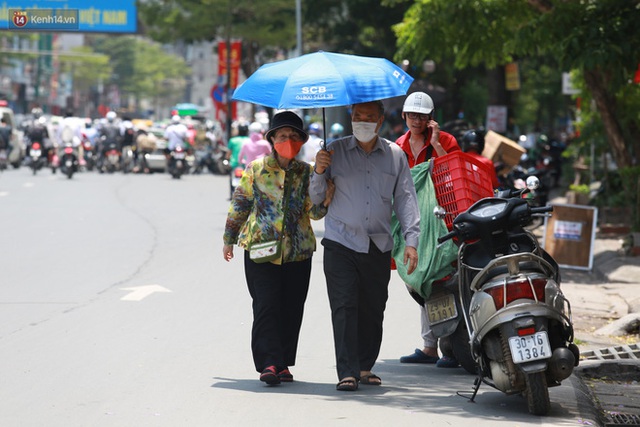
(223,61)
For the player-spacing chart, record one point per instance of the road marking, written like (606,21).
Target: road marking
(28,184)
(4,193)
(138,293)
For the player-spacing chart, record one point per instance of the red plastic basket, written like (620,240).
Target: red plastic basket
(460,180)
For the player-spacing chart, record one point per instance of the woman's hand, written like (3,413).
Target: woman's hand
(227,252)
(331,189)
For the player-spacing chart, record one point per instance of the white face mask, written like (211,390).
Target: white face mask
(364,131)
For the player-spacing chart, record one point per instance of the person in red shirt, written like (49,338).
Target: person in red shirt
(423,141)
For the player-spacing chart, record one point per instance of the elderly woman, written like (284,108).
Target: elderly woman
(270,217)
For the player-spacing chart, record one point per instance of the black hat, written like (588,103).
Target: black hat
(286,119)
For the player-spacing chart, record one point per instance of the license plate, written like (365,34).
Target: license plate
(34,153)
(530,347)
(179,155)
(442,309)
(68,163)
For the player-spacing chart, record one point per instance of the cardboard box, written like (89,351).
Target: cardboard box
(499,148)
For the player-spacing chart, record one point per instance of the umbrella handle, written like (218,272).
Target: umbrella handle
(324,131)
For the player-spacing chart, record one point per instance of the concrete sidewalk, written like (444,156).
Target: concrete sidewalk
(606,307)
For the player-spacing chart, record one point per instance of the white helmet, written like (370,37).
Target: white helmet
(111,116)
(255,127)
(175,119)
(418,102)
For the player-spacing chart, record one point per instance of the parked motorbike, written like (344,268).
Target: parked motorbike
(519,321)
(177,163)
(211,158)
(69,160)
(37,160)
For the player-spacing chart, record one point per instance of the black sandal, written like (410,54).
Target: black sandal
(347,384)
(371,379)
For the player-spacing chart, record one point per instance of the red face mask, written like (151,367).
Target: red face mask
(288,149)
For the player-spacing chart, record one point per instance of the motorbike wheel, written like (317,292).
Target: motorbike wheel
(537,394)
(461,348)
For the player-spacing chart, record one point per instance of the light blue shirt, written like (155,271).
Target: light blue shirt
(369,186)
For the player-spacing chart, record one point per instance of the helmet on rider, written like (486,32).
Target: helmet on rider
(473,140)
(315,129)
(111,116)
(36,112)
(337,129)
(418,102)
(255,127)
(175,119)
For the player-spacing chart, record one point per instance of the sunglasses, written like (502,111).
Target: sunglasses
(418,116)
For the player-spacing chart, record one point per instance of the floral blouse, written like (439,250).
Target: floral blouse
(258,205)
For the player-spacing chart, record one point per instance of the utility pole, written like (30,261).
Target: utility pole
(228,59)
(298,28)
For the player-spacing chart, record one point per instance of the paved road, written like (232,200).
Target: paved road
(116,309)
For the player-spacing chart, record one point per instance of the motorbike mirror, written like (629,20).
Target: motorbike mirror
(533,182)
(439,212)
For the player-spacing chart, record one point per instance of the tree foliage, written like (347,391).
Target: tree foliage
(141,67)
(265,27)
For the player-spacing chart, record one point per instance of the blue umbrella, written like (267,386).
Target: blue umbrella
(323,79)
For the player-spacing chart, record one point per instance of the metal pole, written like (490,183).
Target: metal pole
(298,28)
(228,58)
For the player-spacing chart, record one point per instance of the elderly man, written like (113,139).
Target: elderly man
(372,179)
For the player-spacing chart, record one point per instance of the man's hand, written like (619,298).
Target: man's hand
(331,189)
(227,252)
(410,255)
(323,160)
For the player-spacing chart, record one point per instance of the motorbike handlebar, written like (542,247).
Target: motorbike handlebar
(542,209)
(450,235)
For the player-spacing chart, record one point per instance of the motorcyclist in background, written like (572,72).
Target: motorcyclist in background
(128,142)
(38,132)
(109,134)
(336,131)
(313,144)
(70,132)
(472,142)
(176,134)
(235,145)
(256,147)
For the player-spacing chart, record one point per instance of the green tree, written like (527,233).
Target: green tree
(265,27)
(141,68)
(600,38)
(87,68)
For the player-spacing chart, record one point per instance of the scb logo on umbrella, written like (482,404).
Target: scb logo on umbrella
(313,93)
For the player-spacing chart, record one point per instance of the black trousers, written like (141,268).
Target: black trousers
(279,293)
(357,285)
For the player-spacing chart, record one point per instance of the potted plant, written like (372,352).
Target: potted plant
(578,194)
